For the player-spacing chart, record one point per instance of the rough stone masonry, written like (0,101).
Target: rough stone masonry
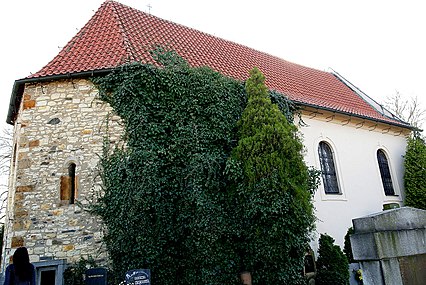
(60,123)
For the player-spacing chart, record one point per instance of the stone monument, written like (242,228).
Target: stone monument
(391,246)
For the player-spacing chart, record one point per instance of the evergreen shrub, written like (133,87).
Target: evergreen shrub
(415,173)
(271,190)
(347,249)
(73,274)
(332,264)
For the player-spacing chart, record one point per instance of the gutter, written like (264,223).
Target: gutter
(19,87)
(401,125)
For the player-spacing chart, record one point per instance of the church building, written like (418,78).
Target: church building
(60,123)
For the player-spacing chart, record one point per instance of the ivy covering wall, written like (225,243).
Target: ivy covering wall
(167,201)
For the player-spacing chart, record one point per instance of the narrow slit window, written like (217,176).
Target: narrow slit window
(71,174)
(328,169)
(69,185)
(14,156)
(385,173)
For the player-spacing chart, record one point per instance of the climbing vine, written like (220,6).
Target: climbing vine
(166,203)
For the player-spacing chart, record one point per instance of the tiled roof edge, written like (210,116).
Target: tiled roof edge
(373,103)
(18,89)
(402,125)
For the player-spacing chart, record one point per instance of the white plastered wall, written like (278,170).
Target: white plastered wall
(355,155)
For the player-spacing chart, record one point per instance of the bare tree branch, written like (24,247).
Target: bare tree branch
(408,110)
(5,150)
(6,146)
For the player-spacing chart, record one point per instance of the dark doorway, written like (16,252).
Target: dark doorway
(47,277)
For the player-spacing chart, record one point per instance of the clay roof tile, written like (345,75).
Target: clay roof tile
(117,33)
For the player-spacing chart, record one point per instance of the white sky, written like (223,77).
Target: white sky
(379,46)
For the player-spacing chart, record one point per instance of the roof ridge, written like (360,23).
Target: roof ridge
(130,50)
(210,35)
(119,34)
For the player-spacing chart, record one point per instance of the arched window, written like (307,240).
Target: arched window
(328,169)
(385,172)
(69,185)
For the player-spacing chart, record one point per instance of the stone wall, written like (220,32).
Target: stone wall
(60,122)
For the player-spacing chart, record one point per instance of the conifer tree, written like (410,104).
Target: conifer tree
(415,173)
(273,201)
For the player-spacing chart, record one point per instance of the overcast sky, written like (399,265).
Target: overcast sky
(377,45)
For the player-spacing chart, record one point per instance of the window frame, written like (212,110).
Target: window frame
(68,189)
(385,172)
(329,179)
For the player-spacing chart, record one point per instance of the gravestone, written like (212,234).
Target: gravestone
(95,276)
(138,277)
(390,246)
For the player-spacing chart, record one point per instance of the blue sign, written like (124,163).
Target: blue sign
(96,276)
(138,277)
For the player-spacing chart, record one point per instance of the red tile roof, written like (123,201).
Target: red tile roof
(117,34)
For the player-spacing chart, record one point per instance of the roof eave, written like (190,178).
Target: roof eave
(401,125)
(19,86)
